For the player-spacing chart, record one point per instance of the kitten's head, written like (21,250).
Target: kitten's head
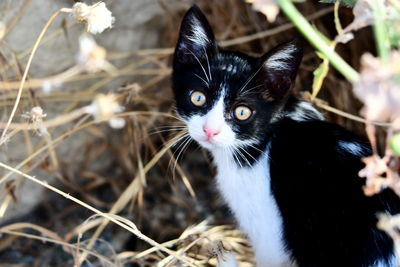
(229,99)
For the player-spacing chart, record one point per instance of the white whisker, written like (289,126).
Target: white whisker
(173,158)
(235,156)
(185,146)
(170,128)
(166,130)
(245,151)
(183,138)
(259,150)
(179,139)
(204,81)
(208,63)
(198,60)
(243,156)
(251,89)
(250,78)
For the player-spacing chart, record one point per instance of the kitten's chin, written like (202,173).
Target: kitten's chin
(211,146)
(207,145)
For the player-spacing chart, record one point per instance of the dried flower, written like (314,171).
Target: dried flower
(268,7)
(374,170)
(35,115)
(92,56)
(104,107)
(363,17)
(224,257)
(391,225)
(379,88)
(97,16)
(380,173)
(133,92)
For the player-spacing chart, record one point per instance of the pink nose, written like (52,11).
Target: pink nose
(210,132)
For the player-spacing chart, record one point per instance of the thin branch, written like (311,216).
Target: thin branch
(316,39)
(107,216)
(273,31)
(35,47)
(319,103)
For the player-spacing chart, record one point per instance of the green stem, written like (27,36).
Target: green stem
(380,30)
(316,39)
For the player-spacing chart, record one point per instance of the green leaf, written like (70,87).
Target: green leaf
(319,75)
(348,3)
(395,144)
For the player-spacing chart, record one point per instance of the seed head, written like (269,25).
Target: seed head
(97,16)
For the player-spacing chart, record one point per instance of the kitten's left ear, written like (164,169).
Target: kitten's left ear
(280,68)
(196,38)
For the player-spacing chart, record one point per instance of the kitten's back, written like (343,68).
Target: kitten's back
(314,178)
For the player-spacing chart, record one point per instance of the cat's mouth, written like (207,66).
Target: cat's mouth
(208,144)
(211,144)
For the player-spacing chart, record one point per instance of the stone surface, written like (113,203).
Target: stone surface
(137,25)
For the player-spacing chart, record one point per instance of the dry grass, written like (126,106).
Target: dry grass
(163,212)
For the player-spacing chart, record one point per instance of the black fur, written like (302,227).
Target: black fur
(327,219)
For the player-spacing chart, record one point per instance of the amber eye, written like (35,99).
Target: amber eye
(198,98)
(242,113)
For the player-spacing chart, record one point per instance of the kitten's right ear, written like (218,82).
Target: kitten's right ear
(280,68)
(196,38)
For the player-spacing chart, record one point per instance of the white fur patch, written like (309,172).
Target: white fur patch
(392,263)
(230,68)
(351,147)
(214,119)
(247,192)
(278,61)
(198,35)
(304,112)
(245,189)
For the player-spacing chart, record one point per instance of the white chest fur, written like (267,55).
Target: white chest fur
(247,192)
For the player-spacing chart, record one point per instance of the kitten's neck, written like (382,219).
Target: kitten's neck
(224,159)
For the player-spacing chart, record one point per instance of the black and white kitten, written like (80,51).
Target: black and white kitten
(290,178)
